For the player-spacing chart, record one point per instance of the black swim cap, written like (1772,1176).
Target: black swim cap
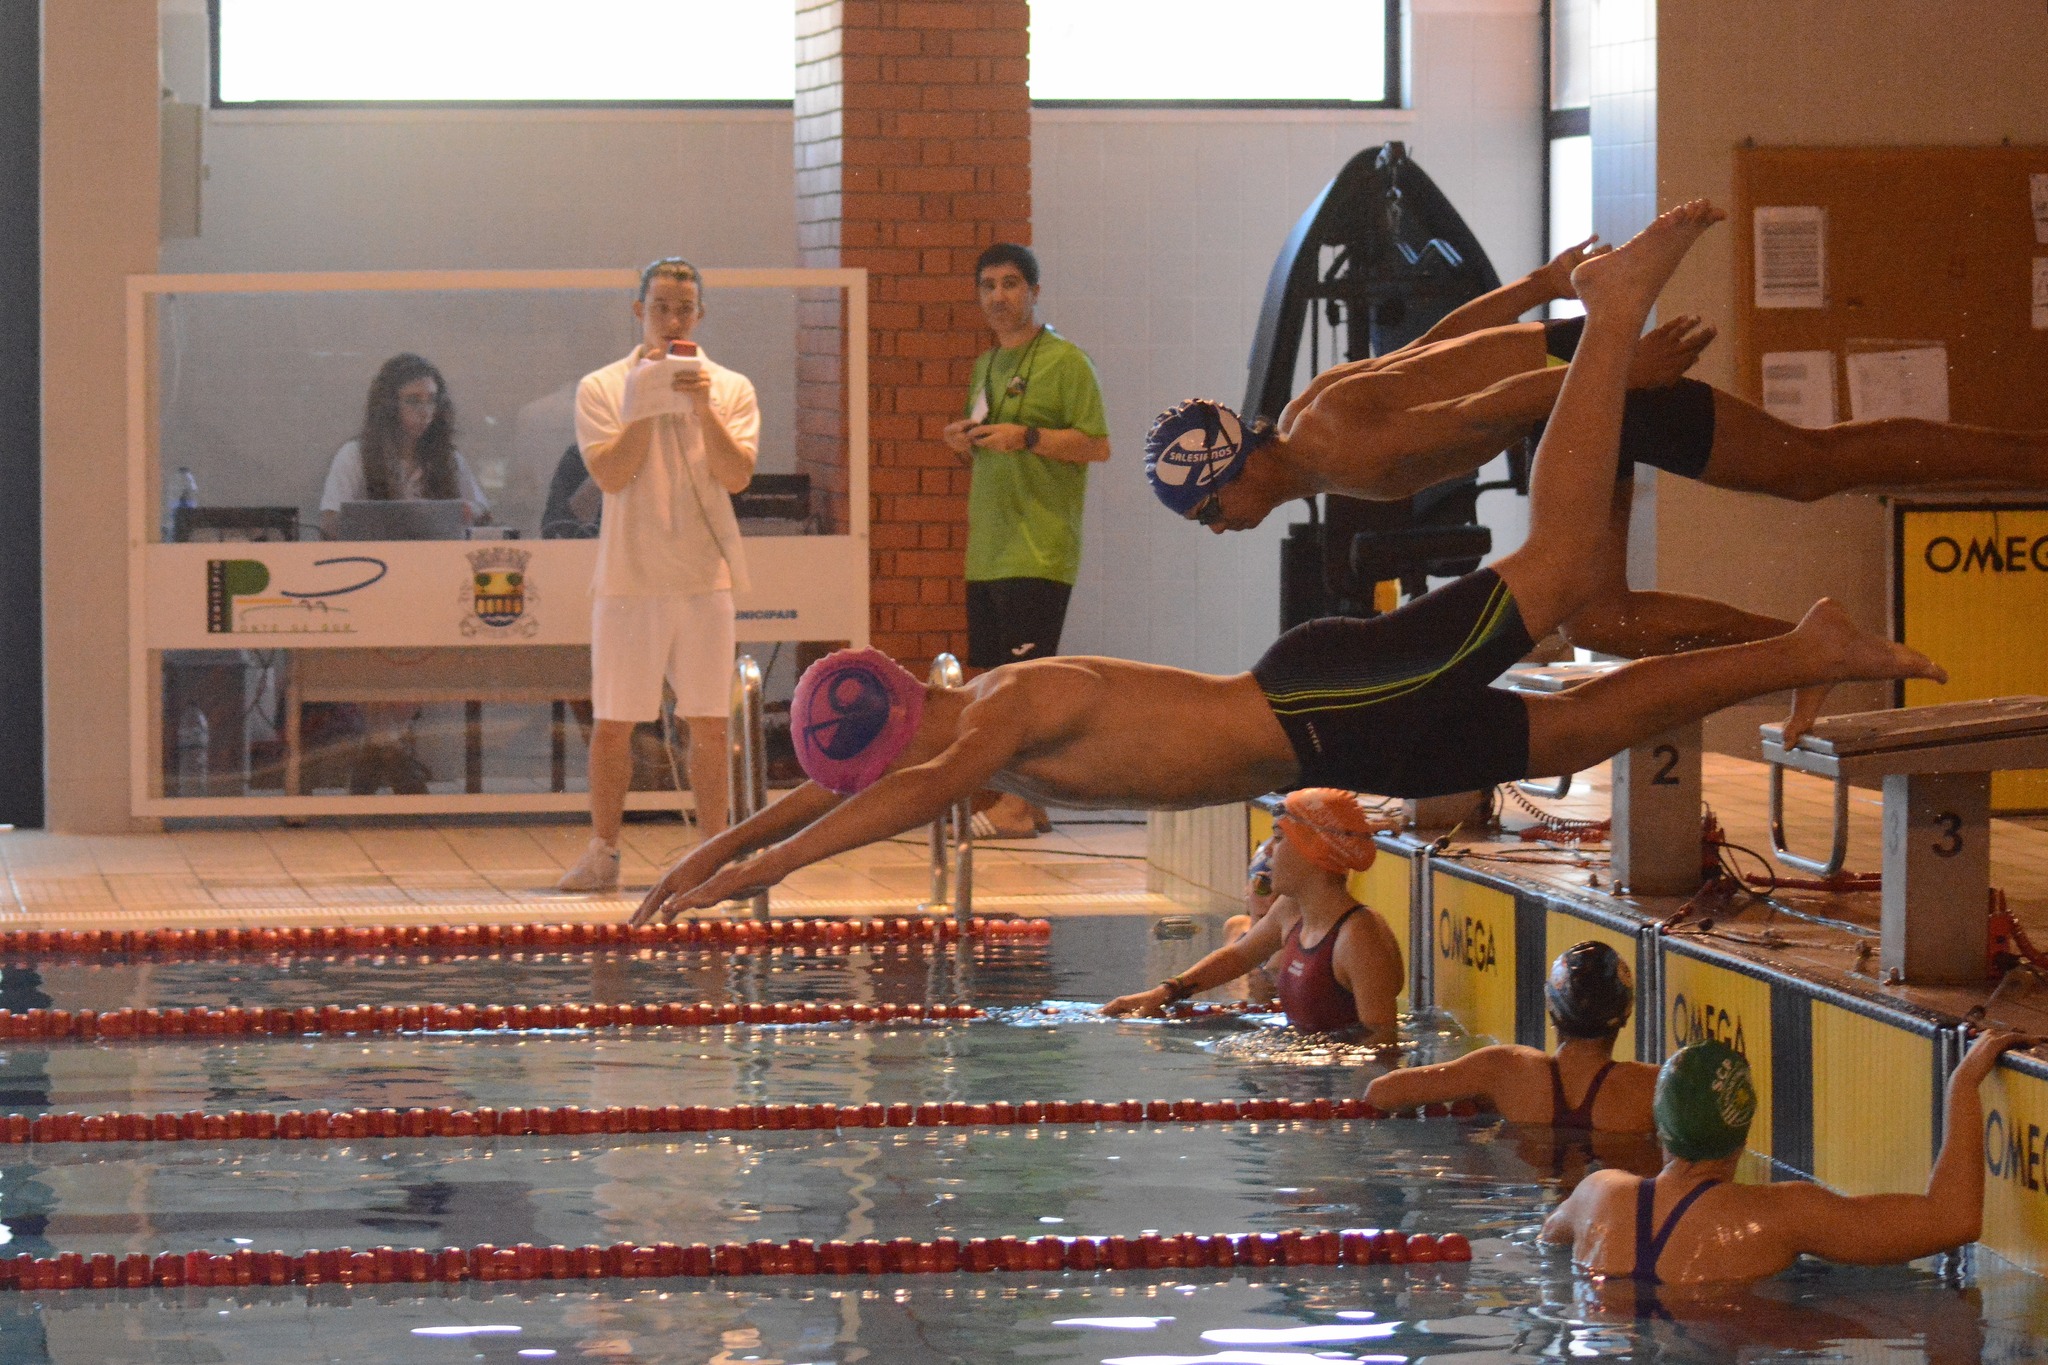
(1591,991)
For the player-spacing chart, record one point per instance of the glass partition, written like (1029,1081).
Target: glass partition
(279,669)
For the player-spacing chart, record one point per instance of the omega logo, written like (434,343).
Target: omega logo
(1466,940)
(1692,1022)
(1989,554)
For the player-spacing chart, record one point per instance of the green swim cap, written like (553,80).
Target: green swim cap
(1705,1100)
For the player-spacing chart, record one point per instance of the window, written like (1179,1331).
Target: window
(407,52)
(503,52)
(1568,187)
(1215,52)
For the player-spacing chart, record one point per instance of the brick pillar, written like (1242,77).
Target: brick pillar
(913,152)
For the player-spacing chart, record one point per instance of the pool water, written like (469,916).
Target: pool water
(1516,1301)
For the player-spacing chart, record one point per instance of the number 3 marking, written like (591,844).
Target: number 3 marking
(1951,842)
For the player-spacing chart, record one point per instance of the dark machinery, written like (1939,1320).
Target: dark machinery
(1377,260)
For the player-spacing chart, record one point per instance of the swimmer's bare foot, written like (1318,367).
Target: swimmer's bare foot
(1806,704)
(1842,651)
(1011,817)
(1632,275)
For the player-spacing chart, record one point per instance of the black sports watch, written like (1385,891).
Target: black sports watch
(1031,438)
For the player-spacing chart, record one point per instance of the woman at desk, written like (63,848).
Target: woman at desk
(405,451)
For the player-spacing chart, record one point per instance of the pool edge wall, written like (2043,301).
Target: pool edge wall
(1850,1089)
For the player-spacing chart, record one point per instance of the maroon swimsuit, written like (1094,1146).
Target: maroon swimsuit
(1307,983)
(1578,1118)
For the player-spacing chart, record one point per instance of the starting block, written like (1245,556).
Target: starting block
(1934,764)
(1656,792)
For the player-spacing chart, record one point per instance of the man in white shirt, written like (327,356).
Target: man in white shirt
(669,442)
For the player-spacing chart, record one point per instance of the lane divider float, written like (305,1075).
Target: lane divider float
(459,938)
(293,1125)
(304,1020)
(669,1260)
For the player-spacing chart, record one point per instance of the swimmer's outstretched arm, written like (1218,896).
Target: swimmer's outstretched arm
(1504,306)
(1226,964)
(1882,1229)
(780,820)
(989,738)
(1477,1075)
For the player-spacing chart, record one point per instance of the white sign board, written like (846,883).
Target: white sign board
(429,593)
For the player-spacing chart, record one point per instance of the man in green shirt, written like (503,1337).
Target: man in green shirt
(1033,426)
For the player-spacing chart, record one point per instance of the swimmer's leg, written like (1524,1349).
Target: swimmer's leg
(1619,620)
(1755,452)
(1574,730)
(1571,490)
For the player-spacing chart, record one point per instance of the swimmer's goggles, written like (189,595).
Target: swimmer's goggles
(1208,511)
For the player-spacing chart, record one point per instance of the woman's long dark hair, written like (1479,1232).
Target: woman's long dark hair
(383,443)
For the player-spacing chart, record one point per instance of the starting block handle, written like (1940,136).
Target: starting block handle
(1840,851)
(1545,791)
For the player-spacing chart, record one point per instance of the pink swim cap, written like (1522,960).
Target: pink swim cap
(854,713)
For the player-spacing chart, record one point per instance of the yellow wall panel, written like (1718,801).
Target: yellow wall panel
(1703,1001)
(1560,932)
(1974,590)
(1873,1118)
(1385,886)
(1474,947)
(2015,1156)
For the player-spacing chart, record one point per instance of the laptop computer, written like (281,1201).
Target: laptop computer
(415,519)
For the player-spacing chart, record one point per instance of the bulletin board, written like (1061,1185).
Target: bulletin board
(1919,247)
(1921,244)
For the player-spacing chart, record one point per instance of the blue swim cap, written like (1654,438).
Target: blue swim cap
(1195,449)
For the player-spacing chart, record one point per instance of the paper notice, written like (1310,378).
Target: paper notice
(1791,257)
(2037,187)
(1799,387)
(2041,293)
(1904,383)
(651,391)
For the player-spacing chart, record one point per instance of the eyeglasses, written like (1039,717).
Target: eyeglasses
(1208,511)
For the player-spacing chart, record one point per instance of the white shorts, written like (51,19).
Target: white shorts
(637,641)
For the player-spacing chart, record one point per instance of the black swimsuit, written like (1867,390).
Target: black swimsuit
(1649,1245)
(1578,1117)
(1671,428)
(1399,705)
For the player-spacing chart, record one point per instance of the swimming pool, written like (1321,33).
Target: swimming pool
(1105,1178)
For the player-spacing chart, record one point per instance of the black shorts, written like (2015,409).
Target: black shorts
(1013,619)
(1671,428)
(1399,705)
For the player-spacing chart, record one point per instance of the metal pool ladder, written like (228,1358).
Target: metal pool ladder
(946,673)
(746,745)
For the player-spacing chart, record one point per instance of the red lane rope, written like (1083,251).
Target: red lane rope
(369,938)
(667,1260)
(292,1125)
(279,1021)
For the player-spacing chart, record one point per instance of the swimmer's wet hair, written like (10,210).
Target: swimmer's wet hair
(1009,253)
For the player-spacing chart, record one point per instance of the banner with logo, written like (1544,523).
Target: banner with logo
(1703,1001)
(1474,942)
(414,594)
(1970,591)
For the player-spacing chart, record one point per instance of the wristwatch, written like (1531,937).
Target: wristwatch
(1031,438)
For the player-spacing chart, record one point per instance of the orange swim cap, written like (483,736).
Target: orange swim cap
(1331,829)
